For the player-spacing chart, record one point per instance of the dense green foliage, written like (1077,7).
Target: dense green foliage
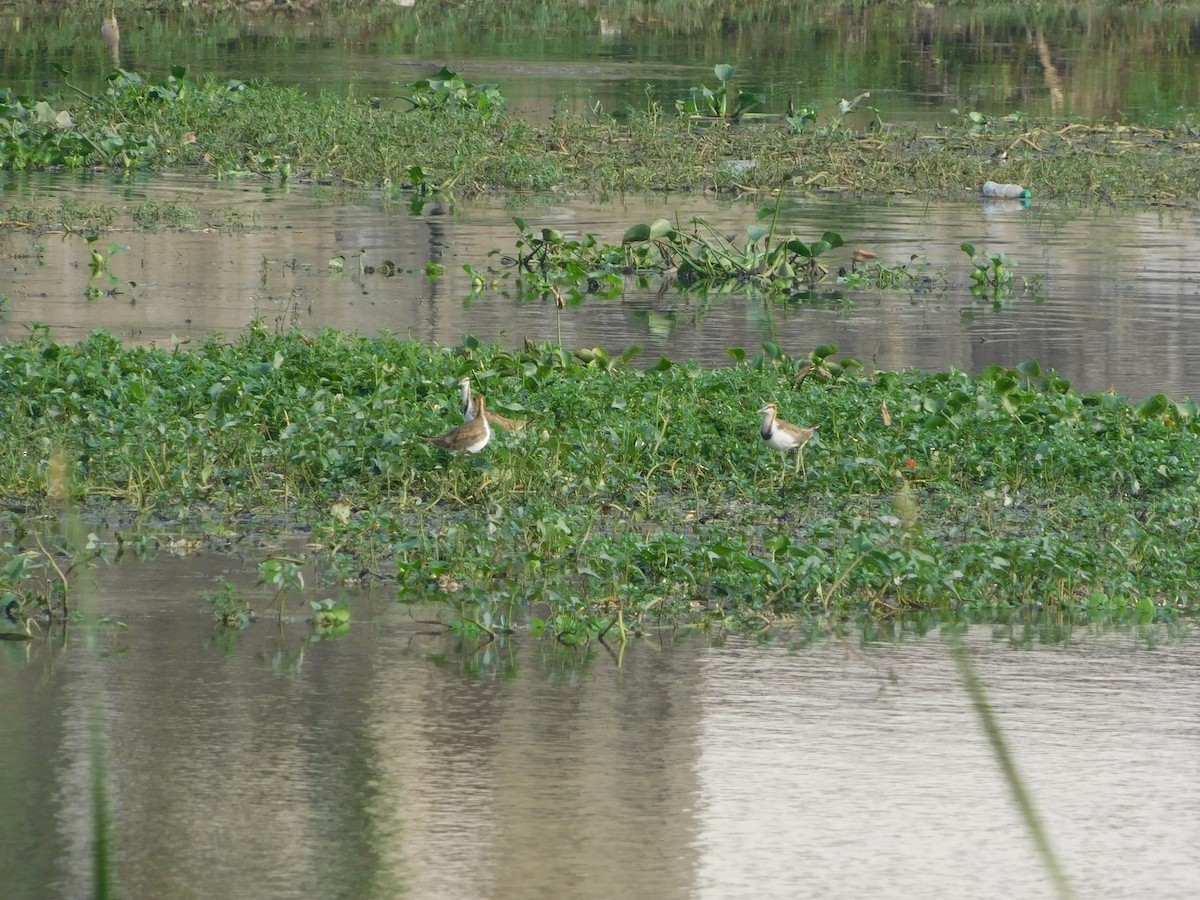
(227,127)
(642,491)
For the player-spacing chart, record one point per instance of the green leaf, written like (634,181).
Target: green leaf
(757,563)
(747,99)
(824,352)
(636,234)
(724,72)
(661,228)
(1186,409)
(1005,385)
(1152,407)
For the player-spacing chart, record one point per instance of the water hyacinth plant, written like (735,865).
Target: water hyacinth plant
(457,133)
(719,103)
(638,494)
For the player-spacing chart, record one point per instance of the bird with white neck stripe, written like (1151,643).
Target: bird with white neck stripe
(784,436)
(468,405)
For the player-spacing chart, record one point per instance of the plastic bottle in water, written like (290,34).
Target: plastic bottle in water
(1006,191)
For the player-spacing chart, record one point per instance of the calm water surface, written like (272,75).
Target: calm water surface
(400,761)
(919,61)
(1118,303)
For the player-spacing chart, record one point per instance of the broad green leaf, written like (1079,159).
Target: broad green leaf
(758,563)
(1005,385)
(724,72)
(660,228)
(747,99)
(636,234)
(1152,407)
(824,352)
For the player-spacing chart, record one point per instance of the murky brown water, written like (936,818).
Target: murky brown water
(400,761)
(1121,297)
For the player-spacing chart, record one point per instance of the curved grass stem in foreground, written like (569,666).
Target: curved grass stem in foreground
(1008,766)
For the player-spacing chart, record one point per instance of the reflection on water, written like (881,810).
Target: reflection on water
(1118,300)
(110,33)
(401,760)
(1135,62)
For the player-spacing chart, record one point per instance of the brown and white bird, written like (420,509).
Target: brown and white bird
(471,436)
(861,256)
(468,405)
(784,436)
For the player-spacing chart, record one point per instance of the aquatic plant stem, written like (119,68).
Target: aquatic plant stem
(61,577)
(991,728)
